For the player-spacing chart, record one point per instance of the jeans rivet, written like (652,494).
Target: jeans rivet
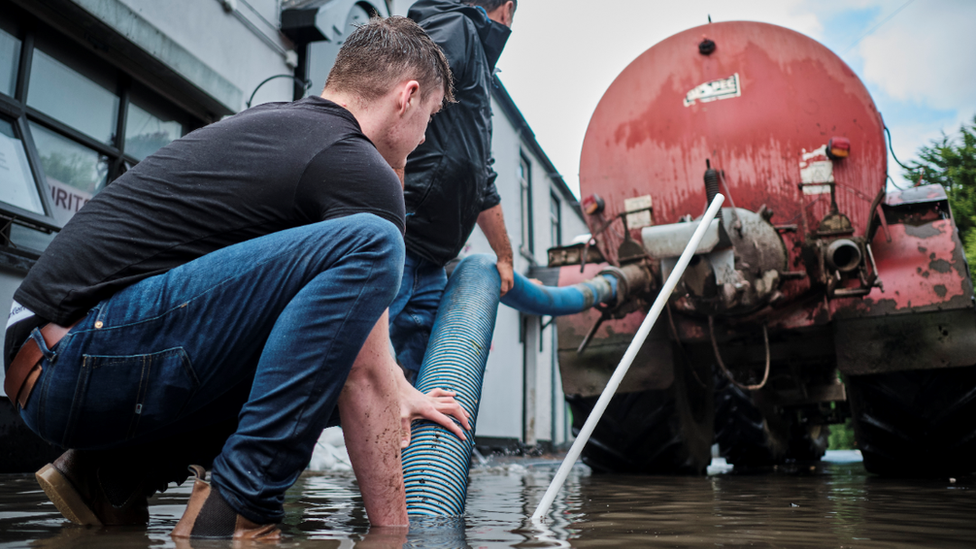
(98,324)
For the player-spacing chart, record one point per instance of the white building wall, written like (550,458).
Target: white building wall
(522,393)
(243,45)
(500,414)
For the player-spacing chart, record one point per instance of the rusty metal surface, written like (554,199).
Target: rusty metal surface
(733,284)
(673,108)
(587,374)
(923,269)
(573,255)
(891,343)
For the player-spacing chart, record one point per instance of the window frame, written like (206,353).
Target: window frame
(555,219)
(16,110)
(527,244)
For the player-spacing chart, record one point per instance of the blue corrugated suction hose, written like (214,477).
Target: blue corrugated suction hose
(435,465)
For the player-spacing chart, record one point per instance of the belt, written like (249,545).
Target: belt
(26,366)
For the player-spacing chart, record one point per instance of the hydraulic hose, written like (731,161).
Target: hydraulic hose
(435,464)
(536,299)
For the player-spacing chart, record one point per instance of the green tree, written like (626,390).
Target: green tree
(842,436)
(951,162)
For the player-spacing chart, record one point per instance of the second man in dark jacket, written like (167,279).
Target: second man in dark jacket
(449,181)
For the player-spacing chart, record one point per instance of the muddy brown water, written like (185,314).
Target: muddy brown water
(824,505)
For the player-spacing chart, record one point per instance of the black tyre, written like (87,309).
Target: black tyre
(918,423)
(740,429)
(651,432)
(751,438)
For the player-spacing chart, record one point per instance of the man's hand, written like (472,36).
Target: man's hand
(507,272)
(492,223)
(435,406)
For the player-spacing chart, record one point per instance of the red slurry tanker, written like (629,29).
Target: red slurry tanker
(819,294)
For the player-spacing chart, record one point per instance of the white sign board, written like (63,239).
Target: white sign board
(815,167)
(639,219)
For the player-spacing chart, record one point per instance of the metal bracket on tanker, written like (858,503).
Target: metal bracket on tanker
(634,289)
(843,264)
(840,262)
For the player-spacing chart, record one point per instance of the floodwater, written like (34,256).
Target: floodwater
(822,505)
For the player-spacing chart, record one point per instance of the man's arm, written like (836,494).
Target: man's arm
(370,409)
(377,405)
(492,223)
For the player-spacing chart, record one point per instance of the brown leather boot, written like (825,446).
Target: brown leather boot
(208,515)
(90,494)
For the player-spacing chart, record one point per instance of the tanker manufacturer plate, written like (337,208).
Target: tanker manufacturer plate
(724,88)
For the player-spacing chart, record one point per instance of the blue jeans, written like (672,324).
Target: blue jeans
(414,309)
(289,310)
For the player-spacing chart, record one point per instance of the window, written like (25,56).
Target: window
(16,182)
(60,82)
(70,123)
(9,58)
(555,220)
(148,125)
(73,172)
(525,184)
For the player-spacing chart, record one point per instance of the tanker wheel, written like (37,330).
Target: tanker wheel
(751,438)
(919,423)
(665,431)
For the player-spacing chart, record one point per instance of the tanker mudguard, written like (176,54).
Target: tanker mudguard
(923,317)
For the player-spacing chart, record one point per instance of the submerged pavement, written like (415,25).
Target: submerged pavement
(828,504)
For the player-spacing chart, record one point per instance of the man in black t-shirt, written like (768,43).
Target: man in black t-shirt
(227,295)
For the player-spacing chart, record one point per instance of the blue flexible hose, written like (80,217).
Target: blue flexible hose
(535,299)
(435,464)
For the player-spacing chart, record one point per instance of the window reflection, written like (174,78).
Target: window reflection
(74,173)
(9,59)
(57,90)
(23,237)
(147,130)
(17,185)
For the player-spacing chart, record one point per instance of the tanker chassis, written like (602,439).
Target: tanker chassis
(819,295)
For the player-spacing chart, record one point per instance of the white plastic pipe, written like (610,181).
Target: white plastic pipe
(628,359)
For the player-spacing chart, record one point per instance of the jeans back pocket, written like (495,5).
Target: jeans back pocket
(120,397)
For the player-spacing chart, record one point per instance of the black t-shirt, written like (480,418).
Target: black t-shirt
(267,169)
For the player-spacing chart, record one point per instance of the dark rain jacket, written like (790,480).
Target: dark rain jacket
(449,179)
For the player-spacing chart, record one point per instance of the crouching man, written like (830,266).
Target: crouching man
(210,306)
